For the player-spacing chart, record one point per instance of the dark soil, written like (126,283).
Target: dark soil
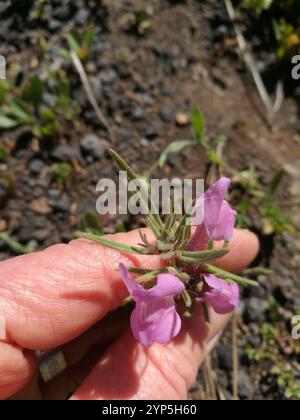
(142,82)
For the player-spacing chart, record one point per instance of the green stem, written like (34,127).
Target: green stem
(14,245)
(257,271)
(155,218)
(218,272)
(147,277)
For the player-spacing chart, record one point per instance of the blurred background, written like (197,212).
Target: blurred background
(179,88)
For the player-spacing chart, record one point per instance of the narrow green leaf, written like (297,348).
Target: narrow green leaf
(162,246)
(174,147)
(73,44)
(111,244)
(35,91)
(6,122)
(257,271)
(199,127)
(187,299)
(203,255)
(89,36)
(123,165)
(149,276)
(154,218)
(14,245)
(276,181)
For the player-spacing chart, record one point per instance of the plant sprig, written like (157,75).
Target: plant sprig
(171,244)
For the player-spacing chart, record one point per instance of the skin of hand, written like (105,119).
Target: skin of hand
(69,296)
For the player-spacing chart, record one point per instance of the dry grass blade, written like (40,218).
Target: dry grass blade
(209,381)
(87,87)
(272,109)
(235,359)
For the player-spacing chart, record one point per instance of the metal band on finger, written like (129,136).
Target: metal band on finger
(51,364)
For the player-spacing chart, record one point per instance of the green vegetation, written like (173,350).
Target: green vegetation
(43,102)
(253,197)
(25,103)
(284,17)
(61,172)
(276,344)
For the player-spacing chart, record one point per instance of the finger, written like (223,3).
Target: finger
(81,355)
(106,330)
(129,371)
(16,368)
(161,372)
(64,385)
(244,248)
(51,297)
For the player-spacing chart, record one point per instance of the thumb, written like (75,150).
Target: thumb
(129,371)
(49,298)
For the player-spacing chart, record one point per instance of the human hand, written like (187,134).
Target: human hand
(55,298)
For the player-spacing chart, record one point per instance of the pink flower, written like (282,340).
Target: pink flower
(154,318)
(221,295)
(218,217)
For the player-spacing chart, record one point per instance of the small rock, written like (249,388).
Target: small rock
(32,244)
(166,114)
(245,386)
(64,153)
(38,191)
(4,191)
(40,205)
(138,113)
(123,135)
(3,225)
(91,68)
(54,25)
(61,12)
(254,340)
(54,193)
(97,88)
(82,16)
(61,204)
(108,77)
(145,99)
(141,87)
(49,99)
(144,142)
(40,234)
(225,357)
(154,130)
(182,119)
(25,234)
(167,90)
(254,310)
(35,166)
(91,118)
(91,145)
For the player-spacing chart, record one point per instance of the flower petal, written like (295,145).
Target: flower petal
(213,203)
(222,296)
(219,218)
(199,239)
(130,283)
(225,227)
(155,322)
(167,285)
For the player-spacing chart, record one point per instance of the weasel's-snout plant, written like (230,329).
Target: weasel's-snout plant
(188,277)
